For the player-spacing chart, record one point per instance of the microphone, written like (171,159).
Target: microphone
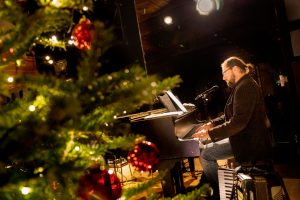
(206,92)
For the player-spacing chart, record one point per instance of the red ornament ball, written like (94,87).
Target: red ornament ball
(144,156)
(83,34)
(99,184)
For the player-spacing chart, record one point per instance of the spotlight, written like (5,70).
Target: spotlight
(205,7)
(168,20)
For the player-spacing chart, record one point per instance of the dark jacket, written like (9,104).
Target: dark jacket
(244,122)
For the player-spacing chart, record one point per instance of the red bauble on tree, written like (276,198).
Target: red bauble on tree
(83,34)
(99,184)
(144,156)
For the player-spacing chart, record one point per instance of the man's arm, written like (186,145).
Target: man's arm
(244,102)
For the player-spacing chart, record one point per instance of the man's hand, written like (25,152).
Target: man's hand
(201,135)
(206,126)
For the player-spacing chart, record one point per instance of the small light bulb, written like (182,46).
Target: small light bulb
(70,42)
(50,62)
(168,20)
(56,3)
(110,171)
(25,190)
(77,148)
(153,84)
(47,57)
(31,108)
(53,39)
(19,62)
(85,8)
(10,79)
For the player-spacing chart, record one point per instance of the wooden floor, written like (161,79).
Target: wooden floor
(132,178)
(290,171)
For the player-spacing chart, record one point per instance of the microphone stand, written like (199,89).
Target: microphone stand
(204,102)
(203,96)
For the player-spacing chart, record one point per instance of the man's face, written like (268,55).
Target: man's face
(228,76)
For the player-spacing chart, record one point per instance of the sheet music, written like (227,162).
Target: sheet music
(176,101)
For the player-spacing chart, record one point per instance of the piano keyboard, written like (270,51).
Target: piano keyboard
(226,182)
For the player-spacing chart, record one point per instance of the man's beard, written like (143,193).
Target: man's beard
(231,81)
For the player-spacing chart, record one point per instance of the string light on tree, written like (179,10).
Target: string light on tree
(49,60)
(53,39)
(77,148)
(26,190)
(31,108)
(10,79)
(56,3)
(19,62)
(7,54)
(71,41)
(85,8)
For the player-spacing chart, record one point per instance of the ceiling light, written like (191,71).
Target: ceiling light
(205,7)
(168,20)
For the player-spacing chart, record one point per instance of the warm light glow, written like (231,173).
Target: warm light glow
(47,57)
(282,80)
(71,42)
(38,170)
(50,62)
(168,20)
(10,79)
(77,148)
(31,108)
(19,62)
(56,3)
(110,171)
(85,8)
(54,39)
(25,190)
(153,84)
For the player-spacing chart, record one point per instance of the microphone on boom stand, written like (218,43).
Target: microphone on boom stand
(204,94)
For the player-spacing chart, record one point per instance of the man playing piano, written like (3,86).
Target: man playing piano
(244,122)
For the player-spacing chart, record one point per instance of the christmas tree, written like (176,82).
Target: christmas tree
(55,136)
